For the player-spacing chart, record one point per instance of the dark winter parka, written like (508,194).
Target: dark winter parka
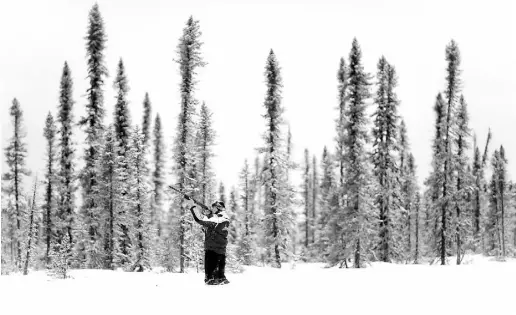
(216,233)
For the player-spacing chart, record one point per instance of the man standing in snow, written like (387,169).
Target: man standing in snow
(215,241)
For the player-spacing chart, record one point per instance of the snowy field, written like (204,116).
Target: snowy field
(481,286)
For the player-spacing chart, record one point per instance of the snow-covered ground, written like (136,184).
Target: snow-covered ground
(483,286)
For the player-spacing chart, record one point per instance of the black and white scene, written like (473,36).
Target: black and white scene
(258,157)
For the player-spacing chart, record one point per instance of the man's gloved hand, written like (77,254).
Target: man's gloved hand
(188,203)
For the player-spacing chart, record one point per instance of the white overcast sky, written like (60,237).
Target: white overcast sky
(308,37)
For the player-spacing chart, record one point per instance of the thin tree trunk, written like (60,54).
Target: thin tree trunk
(457,231)
(416,254)
(503,223)
(357,254)
(31,221)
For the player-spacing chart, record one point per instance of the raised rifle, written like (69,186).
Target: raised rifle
(188,197)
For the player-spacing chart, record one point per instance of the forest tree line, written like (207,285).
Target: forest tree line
(360,201)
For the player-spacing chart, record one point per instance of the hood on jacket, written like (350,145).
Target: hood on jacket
(219,217)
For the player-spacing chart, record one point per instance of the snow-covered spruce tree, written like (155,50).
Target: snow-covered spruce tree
(93,126)
(434,182)
(246,245)
(124,220)
(158,194)
(277,217)
(315,202)
(452,93)
(307,201)
(385,166)
(15,155)
(189,60)
(49,207)
(464,181)
(358,209)
(107,193)
(144,232)
(328,206)
(65,214)
(497,227)
(479,198)
(30,237)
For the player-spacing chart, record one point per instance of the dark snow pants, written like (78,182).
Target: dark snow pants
(214,265)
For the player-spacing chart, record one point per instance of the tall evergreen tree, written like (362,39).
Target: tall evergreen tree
(123,209)
(15,154)
(385,164)
(139,193)
(108,194)
(65,218)
(50,187)
(190,59)
(435,179)
(464,180)
(357,211)
(452,93)
(93,125)
(498,188)
(479,163)
(277,216)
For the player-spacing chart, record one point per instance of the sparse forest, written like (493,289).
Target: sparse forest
(359,202)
